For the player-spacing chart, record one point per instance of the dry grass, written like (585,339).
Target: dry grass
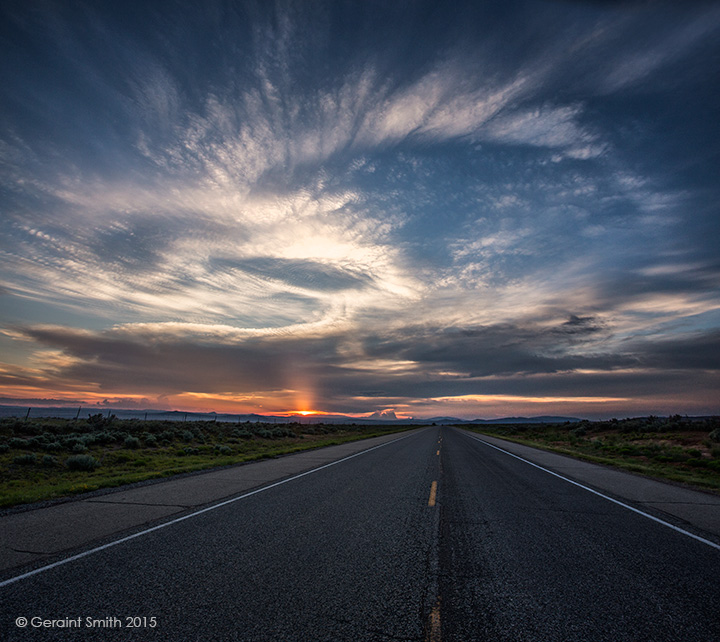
(51,458)
(675,448)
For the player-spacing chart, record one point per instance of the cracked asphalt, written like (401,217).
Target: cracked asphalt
(364,551)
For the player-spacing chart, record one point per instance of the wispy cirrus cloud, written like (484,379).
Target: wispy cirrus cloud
(547,126)
(675,41)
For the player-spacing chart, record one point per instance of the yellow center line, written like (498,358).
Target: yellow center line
(438,452)
(433,629)
(433,492)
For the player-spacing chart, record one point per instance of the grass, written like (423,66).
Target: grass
(673,448)
(44,459)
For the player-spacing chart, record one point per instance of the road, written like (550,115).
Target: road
(435,536)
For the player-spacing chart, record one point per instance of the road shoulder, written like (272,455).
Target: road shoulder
(38,536)
(692,509)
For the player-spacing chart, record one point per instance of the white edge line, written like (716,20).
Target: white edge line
(72,558)
(599,494)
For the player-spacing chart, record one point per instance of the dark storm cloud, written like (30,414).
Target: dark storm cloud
(692,280)
(115,362)
(495,350)
(502,358)
(694,352)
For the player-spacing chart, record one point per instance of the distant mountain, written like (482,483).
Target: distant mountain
(545,419)
(504,420)
(379,417)
(66,412)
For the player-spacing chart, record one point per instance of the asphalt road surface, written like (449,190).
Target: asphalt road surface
(435,536)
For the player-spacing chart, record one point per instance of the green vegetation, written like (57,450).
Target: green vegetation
(675,448)
(50,458)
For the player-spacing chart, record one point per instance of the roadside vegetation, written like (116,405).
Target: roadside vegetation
(676,448)
(44,459)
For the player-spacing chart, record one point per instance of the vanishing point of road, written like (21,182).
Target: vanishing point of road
(435,534)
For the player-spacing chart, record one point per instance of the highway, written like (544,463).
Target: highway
(433,536)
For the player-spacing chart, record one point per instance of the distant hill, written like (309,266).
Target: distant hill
(545,419)
(504,420)
(384,417)
(65,412)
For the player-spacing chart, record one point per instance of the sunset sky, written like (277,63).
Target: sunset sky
(474,209)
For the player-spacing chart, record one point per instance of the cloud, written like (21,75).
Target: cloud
(40,401)
(546,126)
(693,351)
(298,273)
(646,59)
(561,360)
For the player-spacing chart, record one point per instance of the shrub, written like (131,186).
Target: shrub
(714,435)
(99,421)
(16,442)
(150,440)
(79,447)
(25,460)
(103,437)
(49,460)
(223,450)
(131,442)
(82,462)
(4,448)
(187,435)
(630,450)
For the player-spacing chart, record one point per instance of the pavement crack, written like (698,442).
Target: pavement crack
(20,550)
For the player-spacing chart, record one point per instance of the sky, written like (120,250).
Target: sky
(423,208)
